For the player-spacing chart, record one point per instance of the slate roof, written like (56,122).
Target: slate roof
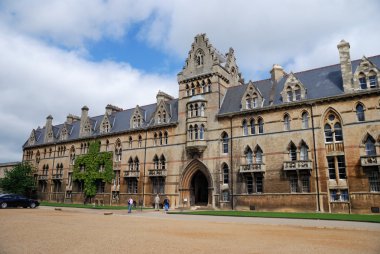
(120,122)
(319,83)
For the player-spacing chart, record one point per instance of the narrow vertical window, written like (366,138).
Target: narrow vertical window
(304,152)
(253,127)
(225,174)
(372,81)
(338,132)
(260,123)
(362,81)
(286,122)
(245,128)
(305,120)
(225,142)
(201,132)
(360,113)
(341,167)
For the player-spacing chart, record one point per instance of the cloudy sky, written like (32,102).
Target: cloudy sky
(56,56)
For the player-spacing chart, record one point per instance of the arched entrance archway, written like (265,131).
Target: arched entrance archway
(199,189)
(196,185)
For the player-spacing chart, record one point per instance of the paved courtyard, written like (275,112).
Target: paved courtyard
(45,230)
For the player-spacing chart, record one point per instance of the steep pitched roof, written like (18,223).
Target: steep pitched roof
(319,83)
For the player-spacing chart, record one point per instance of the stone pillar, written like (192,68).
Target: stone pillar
(345,65)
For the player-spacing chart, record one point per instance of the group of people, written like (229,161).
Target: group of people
(156,204)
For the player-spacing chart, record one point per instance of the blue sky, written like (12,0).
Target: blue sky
(57,56)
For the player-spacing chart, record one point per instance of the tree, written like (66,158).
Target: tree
(19,180)
(92,167)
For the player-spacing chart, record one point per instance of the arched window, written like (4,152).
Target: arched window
(289,94)
(118,151)
(130,141)
(305,120)
(304,152)
(248,155)
(166,137)
(159,117)
(187,90)
(226,175)
(362,81)
(107,145)
(260,123)
(130,164)
(328,133)
(259,155)
(360,113)
(155,162)
(292,152)
(248,102)
(338,132)
(192,89)
(370,149)
(155,139)
(140,141)
(372,79)
(253,127)
(163,162)
(199,58)
(72,155)
(286,122)
(160,138)
(195,132)
(196,110)
(137,164)
(190,132)
(191,111)
(245,128)
(202,109)
(224,142)
(164,116)
(201,132)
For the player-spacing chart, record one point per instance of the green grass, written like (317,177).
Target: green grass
(89,206)
(313,216)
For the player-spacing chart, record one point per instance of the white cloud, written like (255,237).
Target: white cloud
(37,80)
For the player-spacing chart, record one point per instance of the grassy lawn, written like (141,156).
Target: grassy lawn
(313,216)
(90,206)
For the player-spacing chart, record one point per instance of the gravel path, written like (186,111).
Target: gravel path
(45,230)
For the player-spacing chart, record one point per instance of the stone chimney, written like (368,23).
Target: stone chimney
(163,96)
(112,109)
(72,118)
(345,65)
(83,119)
(49,129)
(277,73)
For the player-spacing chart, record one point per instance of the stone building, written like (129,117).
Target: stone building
(305,141)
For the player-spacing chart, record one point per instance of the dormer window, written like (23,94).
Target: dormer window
(293,90)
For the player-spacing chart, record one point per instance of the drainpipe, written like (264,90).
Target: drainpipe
(315,159)
(143,190)
(232,172)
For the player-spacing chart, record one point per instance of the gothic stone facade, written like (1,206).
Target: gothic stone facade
(306,141)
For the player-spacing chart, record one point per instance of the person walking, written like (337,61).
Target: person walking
(166,204)
(157,203)
(130,204)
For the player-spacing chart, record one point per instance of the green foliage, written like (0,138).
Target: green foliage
(92,163)
(313,216)
(19,180)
